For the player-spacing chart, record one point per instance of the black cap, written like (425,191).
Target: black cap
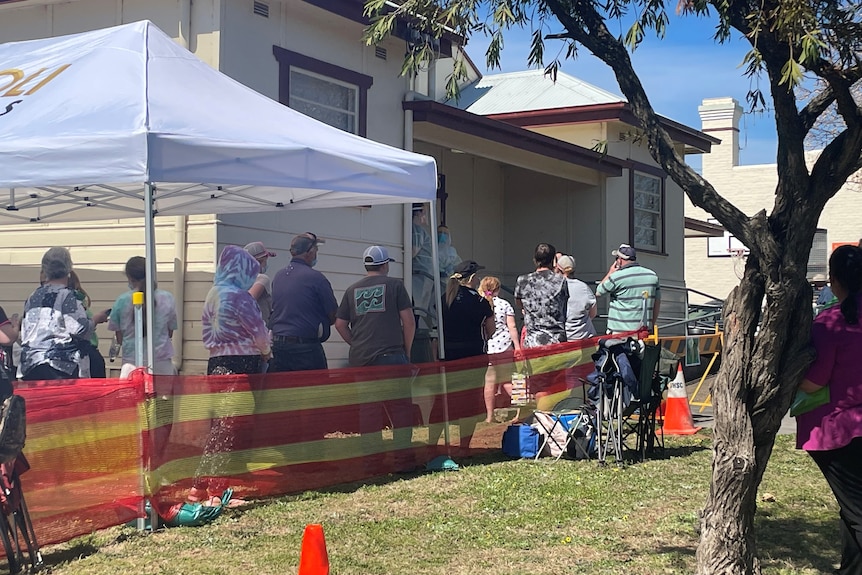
(468,268)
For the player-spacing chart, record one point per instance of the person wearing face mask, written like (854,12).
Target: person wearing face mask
(122,321)
(303,309)
(261,290)
(446,254)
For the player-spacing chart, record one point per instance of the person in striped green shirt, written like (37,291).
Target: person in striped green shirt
(634,292)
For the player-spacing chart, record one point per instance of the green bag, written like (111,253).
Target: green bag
(805,402)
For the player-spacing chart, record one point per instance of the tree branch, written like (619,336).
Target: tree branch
(586,26)
(824,98)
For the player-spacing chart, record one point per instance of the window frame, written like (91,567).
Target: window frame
(638,168)
(288,59)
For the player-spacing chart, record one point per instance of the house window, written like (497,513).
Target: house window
(324,99)
(647,197)
(324,91)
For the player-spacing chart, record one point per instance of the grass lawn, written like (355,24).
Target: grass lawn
(495,516)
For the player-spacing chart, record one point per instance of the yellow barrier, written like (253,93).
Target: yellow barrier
(707,344)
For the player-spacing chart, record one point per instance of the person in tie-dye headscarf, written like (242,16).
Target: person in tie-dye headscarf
(233,331)
(238,342)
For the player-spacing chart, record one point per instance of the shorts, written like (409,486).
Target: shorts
(507,356)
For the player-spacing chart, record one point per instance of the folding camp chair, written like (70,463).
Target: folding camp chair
(627,390)
(16,528)
(612,393)
(641,418)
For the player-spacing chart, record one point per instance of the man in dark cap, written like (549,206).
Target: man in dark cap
(633,291)
(303,309)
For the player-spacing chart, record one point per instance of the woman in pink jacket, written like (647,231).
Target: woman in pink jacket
(832,433)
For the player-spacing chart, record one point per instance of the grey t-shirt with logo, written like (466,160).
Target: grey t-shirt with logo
(372,307)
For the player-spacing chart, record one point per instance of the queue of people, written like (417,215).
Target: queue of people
(252,324)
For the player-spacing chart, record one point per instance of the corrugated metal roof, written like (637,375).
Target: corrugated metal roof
(529,90)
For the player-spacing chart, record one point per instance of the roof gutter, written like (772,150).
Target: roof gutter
(514,136)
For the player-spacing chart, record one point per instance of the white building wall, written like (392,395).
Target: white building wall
(247,55)
(100,249)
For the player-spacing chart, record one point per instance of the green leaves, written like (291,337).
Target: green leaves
(536,57)
(791,73)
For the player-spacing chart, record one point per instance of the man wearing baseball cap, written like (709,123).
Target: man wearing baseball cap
(375,318)
(303,309)
(634,292)
(374,313)
(261,290)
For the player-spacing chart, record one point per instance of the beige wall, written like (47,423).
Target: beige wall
(498,213)
(347,231)
(751,189)
(246,55)
(611,228)
(99,252)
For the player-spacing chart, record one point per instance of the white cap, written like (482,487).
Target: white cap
(375,256)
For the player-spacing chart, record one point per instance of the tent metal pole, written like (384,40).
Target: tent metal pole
(441,353)
(437,295)
(150,252)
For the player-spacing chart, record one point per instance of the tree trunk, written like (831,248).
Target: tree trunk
(760,370)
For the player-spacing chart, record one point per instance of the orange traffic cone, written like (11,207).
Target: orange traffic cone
(677,415)
(313,559)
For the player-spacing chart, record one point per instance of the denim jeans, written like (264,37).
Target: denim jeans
(297,357)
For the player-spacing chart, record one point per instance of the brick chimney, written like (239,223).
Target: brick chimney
(720,117)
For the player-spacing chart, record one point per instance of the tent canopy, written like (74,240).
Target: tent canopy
(87,120)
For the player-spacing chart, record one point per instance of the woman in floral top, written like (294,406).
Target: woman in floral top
(53,324)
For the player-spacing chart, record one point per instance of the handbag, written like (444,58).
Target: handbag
(805,402)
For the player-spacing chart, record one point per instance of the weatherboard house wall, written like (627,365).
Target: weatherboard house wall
(231,37)
(751,189)
(504,197)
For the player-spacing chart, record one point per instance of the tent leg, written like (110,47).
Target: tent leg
(440,343)
(150,247)
(150,254)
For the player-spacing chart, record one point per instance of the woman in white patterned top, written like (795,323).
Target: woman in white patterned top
(501,347)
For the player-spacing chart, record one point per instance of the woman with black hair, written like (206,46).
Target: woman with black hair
(468,323)
(832,432)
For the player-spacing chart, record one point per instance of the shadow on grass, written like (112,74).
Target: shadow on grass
(58,557)
(798,542)
(795,544)
(677,451)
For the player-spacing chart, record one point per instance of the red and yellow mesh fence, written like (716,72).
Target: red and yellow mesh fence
(84,448)
(97,448)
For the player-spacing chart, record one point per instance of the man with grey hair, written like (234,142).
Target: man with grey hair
(55,324)
(303,309)
(581,306)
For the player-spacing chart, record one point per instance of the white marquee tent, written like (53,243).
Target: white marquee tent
(101,124)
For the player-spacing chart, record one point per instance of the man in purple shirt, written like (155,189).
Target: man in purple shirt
(303,309)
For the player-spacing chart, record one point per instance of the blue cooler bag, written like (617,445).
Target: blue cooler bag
(520,440)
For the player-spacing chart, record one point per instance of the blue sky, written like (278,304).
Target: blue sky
(677,72)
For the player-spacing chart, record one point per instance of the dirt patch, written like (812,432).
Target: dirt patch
(488,436)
